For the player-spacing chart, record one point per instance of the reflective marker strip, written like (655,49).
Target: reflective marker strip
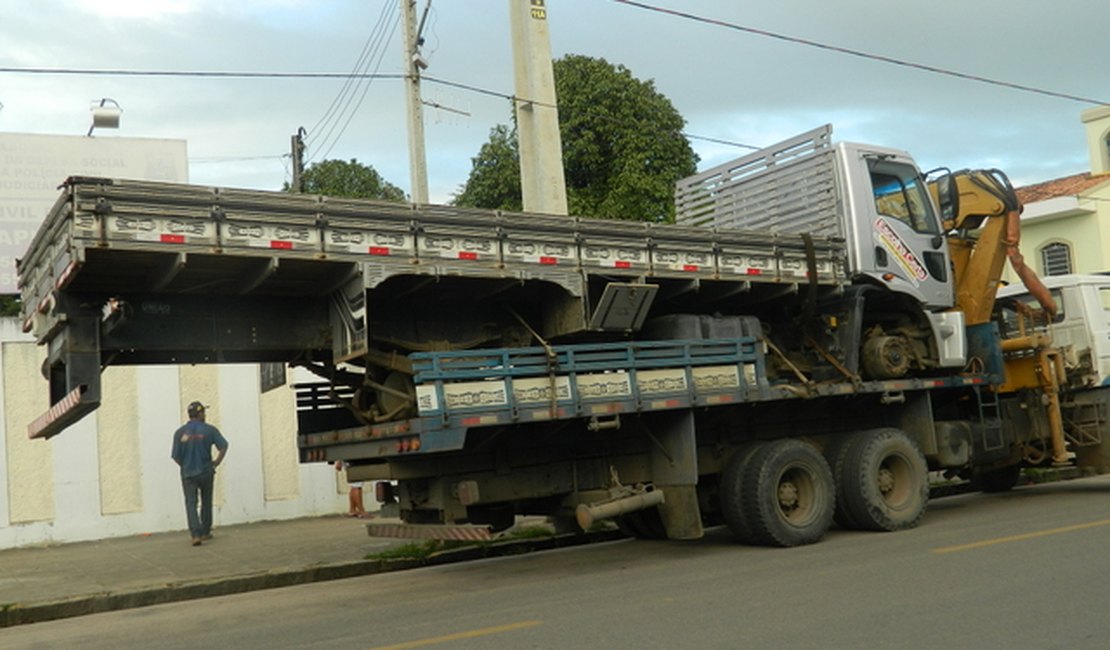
(379,250)
(430,531)
(172,239)
(56,411)
(283,245)
(463,255)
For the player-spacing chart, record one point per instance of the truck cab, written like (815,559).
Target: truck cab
(892,225)
(1080,329)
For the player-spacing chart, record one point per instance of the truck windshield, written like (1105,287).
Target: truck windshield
(900,193)
(1030,310)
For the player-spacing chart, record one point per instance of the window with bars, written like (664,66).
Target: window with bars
(1056,259)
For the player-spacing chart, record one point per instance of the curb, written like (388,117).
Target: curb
(23,614)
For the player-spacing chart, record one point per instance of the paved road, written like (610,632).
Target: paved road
(1027,569)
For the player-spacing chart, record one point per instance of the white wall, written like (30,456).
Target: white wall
(111,474)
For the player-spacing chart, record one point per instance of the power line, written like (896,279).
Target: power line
(225,159)
(373,53)
(501,95)
(219,74)
(350,79)
(859,53)
(210,74)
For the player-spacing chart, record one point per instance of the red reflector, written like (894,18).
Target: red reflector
(463,255)
(173,239)
(549,260)
(379,250)
(284,245)
(469,422)
(415,444)
(689,267)
(620,264)
(755,272)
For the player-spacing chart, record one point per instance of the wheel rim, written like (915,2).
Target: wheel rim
(796,495)
(895,480)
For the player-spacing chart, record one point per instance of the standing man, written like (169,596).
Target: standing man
(192,450)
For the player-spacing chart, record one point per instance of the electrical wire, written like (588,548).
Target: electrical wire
(373,55)
(201,74)
(350,79)
(859,53)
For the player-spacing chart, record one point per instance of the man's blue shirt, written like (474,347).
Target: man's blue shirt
(192,447)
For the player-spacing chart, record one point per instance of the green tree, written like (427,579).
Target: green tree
(348,179)
(623,147)
(9,305)
(494,180)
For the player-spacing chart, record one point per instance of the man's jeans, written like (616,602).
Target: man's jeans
(199,486)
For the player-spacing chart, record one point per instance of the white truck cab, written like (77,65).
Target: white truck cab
(1081,329)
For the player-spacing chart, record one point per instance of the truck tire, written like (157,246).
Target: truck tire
(883,481)
(836,452)
(786,494)
(730,491)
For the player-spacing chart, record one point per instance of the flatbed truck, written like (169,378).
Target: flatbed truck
(815,334)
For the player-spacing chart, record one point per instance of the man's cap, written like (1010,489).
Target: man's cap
(195,409)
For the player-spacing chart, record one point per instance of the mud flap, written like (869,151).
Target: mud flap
(674,467)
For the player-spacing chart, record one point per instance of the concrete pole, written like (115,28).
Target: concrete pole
(418,164)
(542,184)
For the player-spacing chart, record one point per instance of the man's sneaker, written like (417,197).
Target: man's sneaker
(196,541)
(206,537)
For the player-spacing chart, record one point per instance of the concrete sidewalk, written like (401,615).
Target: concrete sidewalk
(49,582)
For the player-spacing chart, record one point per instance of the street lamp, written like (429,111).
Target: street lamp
(105,114)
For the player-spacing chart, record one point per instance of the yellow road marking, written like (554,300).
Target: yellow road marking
(1022,537)
(485,631)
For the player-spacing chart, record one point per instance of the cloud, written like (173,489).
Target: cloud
(727,84)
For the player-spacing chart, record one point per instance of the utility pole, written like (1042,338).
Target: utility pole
(297,144)
(414,63)
(542,184)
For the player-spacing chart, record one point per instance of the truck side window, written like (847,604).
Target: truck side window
(900,193)
(1104,298)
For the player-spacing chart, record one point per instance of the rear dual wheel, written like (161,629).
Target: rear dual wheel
(777,493)
(881,480)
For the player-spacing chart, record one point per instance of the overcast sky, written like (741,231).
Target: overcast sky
(728,84)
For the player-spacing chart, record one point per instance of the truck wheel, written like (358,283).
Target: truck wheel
(886,357)
(786,496)
(730,491)
(883,481)
(836,452)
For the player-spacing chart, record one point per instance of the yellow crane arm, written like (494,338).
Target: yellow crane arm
(982,215)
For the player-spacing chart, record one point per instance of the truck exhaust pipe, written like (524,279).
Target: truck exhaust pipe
(589,514)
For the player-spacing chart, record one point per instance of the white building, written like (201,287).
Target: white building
(111,473)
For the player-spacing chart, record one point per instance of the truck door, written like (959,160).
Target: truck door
(908,251)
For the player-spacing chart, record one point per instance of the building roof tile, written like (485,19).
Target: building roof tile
(1067,186)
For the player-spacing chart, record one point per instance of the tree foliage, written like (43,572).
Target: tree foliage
(494,180)
(623,148)
(348,179)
